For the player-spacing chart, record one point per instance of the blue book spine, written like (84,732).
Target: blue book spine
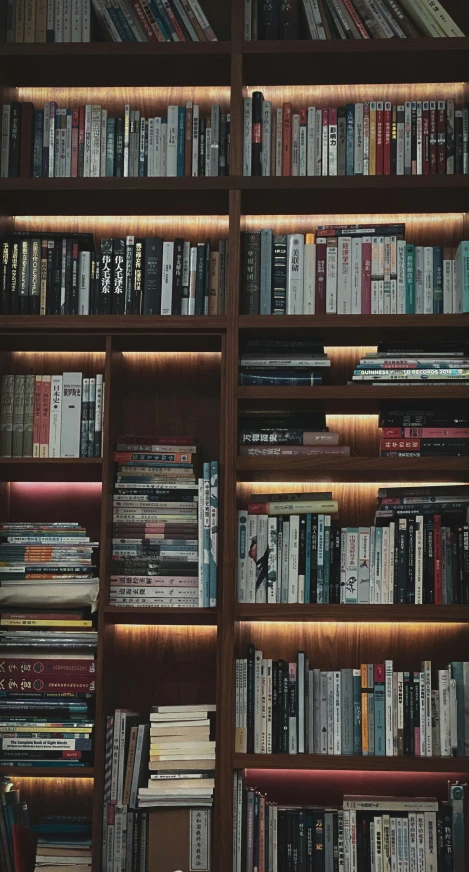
(266,273)
(181,139)
(457,672)
(462,273)
(206,537)
(308,560)
(213,531)
(409,278)
(357,712)
(350,139)
(110,146)
(437,280)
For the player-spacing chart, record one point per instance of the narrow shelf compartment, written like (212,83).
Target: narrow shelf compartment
(50,469)
(366,764)
(357,397)
(164,615)
(335,329)
(349,613)
(361,469)
(47,772)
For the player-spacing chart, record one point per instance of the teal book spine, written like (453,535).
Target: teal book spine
(266,273)
(327,557)
(347,711)
(206,536)
(456,797)
(308,560)
(181,139)
(380,716)
(371,711)
(457,672)
(410,279)
(110,146)
(463,270)
(213,532)
(357,711)
(437,280)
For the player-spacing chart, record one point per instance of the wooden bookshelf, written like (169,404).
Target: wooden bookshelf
(181,375)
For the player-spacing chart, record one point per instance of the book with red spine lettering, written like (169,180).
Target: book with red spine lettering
(286,138)
(433,138)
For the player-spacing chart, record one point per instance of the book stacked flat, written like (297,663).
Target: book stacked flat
(443,433)
(286,433)
(435,366)
(165,525)
(182,757)
(283,362)
(289,708)
(335,19)
(351,270)
(51,416)
(287,549)
(87,141)
(63,843)
(377,832)
(373,138)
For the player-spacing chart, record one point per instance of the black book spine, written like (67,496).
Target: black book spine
(206,276)
(23,281)
(200,276)
(250,699)
(14,278)
(302,550)
(285,706)
(255,846)
(256,128)
(318,827)
(394,140)
(56,277)
(118,269)
(288,26)
(406,715)
(413,138)
(119,158)
(416,697)
(448,840)
(74,291)
(228,144)
(222,151)
(282,839)
(202,130)
(137,292)
(275,730)
(336,566)
(301,847)
(279,276)
(458,142)
(251,274)
(410,563)
(177,276)
(68,276)
(50,276)
(15,140)
(6,271)
(290,867)
(153,274)
(129,273)
(105,284)
(268,27)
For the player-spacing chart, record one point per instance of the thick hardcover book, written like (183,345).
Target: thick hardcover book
(177,276)
(289,13)
(118,276)
(153,256)
(252,273)
(268,25)
(106,278)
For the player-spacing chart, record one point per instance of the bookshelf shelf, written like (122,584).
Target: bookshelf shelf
(355,398)
(366,613)
(352,468)
(335,329)
(47,772)
(130,615)
(50,469)
(366,764)
(374,61)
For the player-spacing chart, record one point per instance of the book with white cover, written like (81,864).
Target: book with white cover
(172,141)
(251,537)
(331,276)
(167,278)
(310,142)
(55,416)
(293,559)
(295,258)
(309,278)
(71,414)
(266,137)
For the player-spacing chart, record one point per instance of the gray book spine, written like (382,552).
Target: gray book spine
(371,711)
(347,714)
(357,711)
(266,273)
(28,416)
(316,711)
(18,416)
(71,415)
(6,415)
(329,841)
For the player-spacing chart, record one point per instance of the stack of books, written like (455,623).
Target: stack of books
(373,138)
(287,550)
(63,842)
(334,19)
(165,525)
(414,365)
(182,757)
(287,433)
(282,362)
(450,439)
(377,832)
(86,141)
(51,416)
(351,270)
(373,710)
(60,274)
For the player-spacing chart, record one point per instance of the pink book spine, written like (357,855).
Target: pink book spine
(366,275)
(320,301)
(74,164)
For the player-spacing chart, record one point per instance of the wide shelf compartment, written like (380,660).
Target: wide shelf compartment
(366,764)
(335,329)
(356,398)
(344,613)
(131,615)
(359,469)
(48,469)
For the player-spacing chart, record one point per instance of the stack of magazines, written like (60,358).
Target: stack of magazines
(444,365)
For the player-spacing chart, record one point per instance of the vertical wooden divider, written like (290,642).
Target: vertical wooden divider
(104,551)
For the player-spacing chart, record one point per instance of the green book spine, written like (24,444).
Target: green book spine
(380,716)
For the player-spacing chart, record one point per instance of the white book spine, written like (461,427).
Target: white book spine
(408,138)
(310,154)
(303,148)
(293,559)
(344,276)
(374,275)
(208,149)
(372,563)
(95,141)
(272,532)
(381,259)
(55,426)
(262,556)
(195,140)
(431,860)
(400,711)
(295,257)
(285,561)
(269,691)
(343,562)
(400,141)
(428,707)
(331,278)
(419,280)
(98,419)
(422,715)
(103,142)
(388,666)
(337,714)
(88,138)
(242,556)
(324,143)
(295,150)
(86,21)
(247,147)
(448,287)
(200,550)
(84,277)
(251,563)
(356,276)
(71,414)
(151,149)
(330,712)
(385,567)
(333,147)
(392,538)
(364,565)
(76,21)
(164,147)
(309,278)
(167,278)
(266,137)
(158,148)
(443,690)
(257,702)
(428,280)
(172,142)
(413,863)
(419,138)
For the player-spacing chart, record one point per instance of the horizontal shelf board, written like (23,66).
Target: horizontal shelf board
(360,469)
(335,329)
(103,64)
(47,772)
(368,764)
(163,615)
(358,194)
(50,469)
(115,196)
(341,62)
(355,398)
(349,613)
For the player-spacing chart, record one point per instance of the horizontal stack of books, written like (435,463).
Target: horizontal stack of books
(359,139)
(377,832)
(414,365)
(351,270)
(334,19)
(51,416)
(172,21)
(86,141)
(63,842)
(287,433)
(60,274)
(289,708)
(450,439)
(282,362)
(165,525)
(287,550)
(182,757)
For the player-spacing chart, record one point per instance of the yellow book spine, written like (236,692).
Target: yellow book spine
(18,622)
(310,238)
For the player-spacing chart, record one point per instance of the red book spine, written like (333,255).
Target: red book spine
(379,140)
(366,276)
(37,417)
(71,755)
(320,293)
(441,137)
(425,139)
(188,148)
(74,162)
(400,444)
(432,138)
(425,433)
(39,684)
(437,560)
(356,19)
(286,139)
(148,457)
(147,25)
(81,139)
(387,140)
(45,418)
(30,666)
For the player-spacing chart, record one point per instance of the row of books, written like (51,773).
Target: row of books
(51,416)
(374,710)
(86,141)
(165,525)
(358,139)
(344,19)
(439,367)
(355,270)
(363,832)
(58,274)
(276,363)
